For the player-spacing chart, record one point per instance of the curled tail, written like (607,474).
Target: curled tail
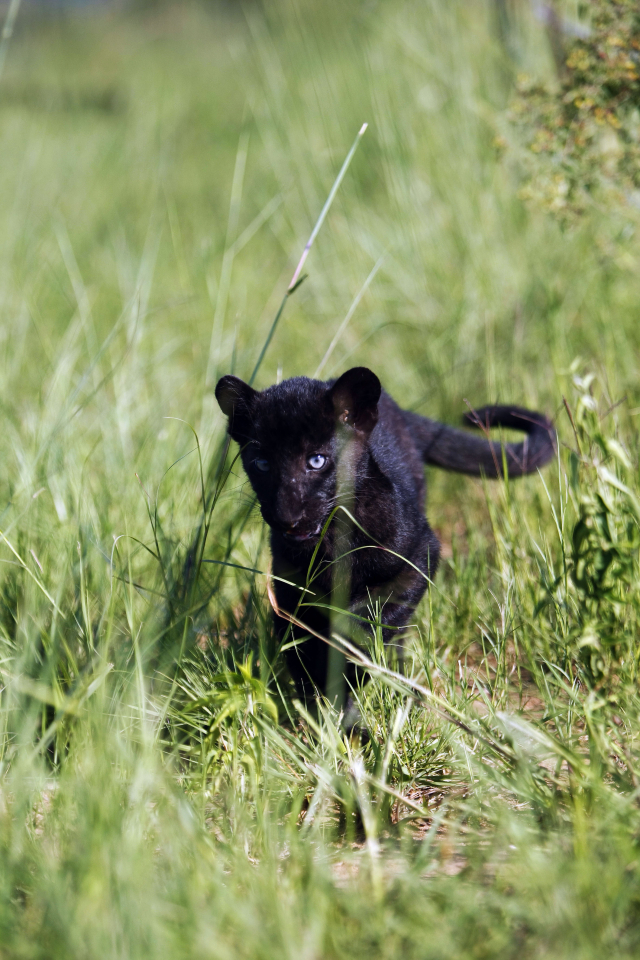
(452,449)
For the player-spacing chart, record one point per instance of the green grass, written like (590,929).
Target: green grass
(161,792)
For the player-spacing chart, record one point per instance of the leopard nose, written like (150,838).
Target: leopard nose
(290,511)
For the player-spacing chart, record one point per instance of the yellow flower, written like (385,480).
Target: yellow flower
(578,60)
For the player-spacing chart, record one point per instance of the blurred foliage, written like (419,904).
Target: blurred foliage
(584,129)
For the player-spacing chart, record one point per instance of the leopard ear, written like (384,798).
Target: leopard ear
(355,397)
(236,398)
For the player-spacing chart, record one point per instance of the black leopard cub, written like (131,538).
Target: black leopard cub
(295,436)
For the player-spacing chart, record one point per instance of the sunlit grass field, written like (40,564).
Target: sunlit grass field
(162,792)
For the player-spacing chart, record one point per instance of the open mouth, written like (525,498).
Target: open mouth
(300,536)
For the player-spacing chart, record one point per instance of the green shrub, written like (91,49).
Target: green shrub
(583,131)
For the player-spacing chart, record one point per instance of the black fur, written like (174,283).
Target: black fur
(284,433)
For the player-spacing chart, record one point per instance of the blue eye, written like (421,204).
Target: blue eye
(317,461)
(262,464)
